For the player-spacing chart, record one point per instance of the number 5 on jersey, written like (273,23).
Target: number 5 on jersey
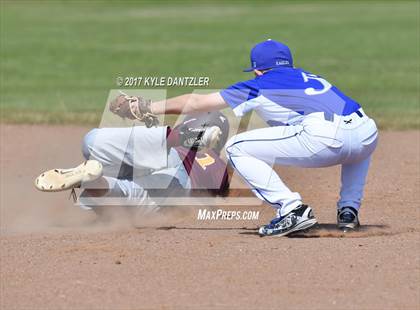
(312,91)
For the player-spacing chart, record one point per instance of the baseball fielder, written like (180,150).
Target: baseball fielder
(311,124)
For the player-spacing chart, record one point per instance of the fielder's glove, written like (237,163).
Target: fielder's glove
(134,108)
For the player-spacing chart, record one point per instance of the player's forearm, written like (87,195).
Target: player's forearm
(189,103)
(183,104)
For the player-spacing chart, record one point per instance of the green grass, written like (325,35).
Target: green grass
(60,59)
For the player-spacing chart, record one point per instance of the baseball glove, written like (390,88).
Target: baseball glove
(133,107)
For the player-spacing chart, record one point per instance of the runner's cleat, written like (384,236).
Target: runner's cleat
(63,179)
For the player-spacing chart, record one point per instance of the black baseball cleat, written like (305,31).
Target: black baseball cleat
(299,218)
(347,219)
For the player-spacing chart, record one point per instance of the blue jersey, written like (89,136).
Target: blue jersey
(284,95)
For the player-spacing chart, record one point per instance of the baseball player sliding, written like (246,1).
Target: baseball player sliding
(138,164)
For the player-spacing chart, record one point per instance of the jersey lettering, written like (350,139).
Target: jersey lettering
(206,161)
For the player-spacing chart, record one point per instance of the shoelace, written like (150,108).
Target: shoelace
(282,222)
(73,195)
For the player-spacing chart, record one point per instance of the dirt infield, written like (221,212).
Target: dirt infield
(56,256)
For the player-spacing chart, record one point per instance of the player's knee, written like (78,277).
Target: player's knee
(88,142)
(232,148)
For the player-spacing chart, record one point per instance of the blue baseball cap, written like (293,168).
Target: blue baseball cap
(270,54)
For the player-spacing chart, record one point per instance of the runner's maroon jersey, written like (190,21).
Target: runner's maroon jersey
(205,169)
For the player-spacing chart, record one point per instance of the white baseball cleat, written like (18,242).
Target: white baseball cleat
(56,180)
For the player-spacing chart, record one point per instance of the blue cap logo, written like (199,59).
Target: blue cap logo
(270,54)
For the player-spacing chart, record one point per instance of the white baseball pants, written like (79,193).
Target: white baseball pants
(315,142)
(134,159)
